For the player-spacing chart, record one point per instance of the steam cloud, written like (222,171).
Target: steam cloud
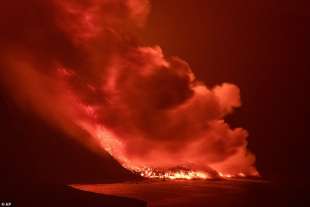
(77,64)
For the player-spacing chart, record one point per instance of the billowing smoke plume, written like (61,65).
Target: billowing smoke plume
(77,64)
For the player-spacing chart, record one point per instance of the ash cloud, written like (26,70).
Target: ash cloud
(77,64)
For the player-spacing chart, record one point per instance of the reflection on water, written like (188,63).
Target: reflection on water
(188,193)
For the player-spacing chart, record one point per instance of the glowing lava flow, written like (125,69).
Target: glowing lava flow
(111,143)
(173,175)
(187,175)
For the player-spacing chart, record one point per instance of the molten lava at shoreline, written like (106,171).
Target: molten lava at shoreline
(187,174)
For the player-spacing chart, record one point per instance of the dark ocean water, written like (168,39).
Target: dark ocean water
(197,193)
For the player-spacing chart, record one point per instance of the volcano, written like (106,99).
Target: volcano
(170,103)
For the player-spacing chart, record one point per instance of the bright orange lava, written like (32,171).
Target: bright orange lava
(186,174)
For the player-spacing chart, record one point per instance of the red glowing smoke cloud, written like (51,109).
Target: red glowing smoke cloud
(79,67)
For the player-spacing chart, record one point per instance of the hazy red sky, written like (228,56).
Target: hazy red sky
(262,47)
